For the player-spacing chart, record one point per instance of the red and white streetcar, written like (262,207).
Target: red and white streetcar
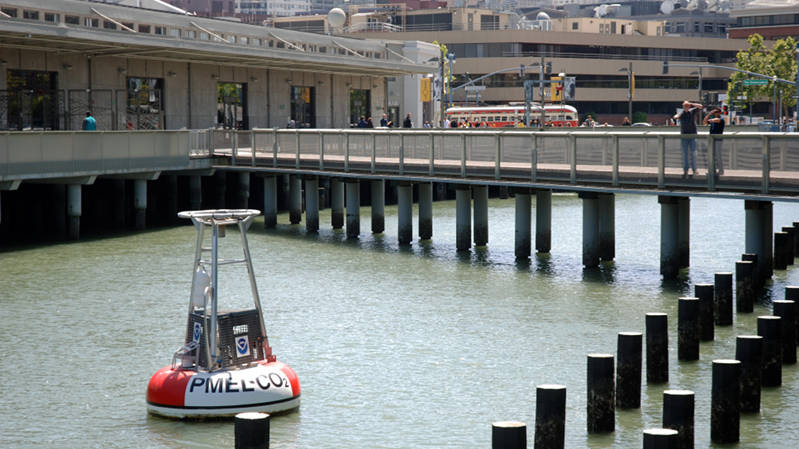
(502,116)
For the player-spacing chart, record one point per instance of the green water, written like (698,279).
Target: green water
(395,347)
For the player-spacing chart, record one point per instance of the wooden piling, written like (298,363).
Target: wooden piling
(678,414)
(705,294)
(791,231)
(601,410)
(628,370)
(744,291)
(781,250)
(688,329)
(508,435)
(722,299)
(657,348)
(251,430)
(786,310)
(725,409)
(769,327)
(550,416)
(749,351)
(661,439)
(757,280)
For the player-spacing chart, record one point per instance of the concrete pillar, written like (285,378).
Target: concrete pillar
(758,235)
(220,189)
(463,218)
(607,226)
(312,204)
(59,214)
(118,203)
(590,229)
(684,233)
(74,211)
(195,192)
(337,203)
(669,236)
(543,221)
(404,213)
(353,192)
(480,194)
(295,199)
(244,191)
(425,211)
(378,199)
(171,202)
(270,202)
(140,202)
(768,241)
(523,222)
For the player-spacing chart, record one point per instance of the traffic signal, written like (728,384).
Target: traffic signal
(549,68)
(725,109)
(665,67)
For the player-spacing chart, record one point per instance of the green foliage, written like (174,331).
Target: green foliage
(639,116)
(778,61)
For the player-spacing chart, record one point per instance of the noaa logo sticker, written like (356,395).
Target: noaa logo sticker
(242,346)
(198,331)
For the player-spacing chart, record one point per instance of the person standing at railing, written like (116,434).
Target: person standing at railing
(407,123)
(716,127)
(89,123)
(687,118)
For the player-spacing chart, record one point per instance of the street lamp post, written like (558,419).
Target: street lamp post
(629,70)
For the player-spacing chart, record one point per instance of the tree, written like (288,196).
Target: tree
(778,61)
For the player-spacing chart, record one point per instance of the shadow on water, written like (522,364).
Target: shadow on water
(605,273)
(543,264)
(682,285)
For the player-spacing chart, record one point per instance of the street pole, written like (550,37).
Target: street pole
(449,88)
(699,100)
(630,92)
(796,85)
(541,82)
(774,104)
(442,91)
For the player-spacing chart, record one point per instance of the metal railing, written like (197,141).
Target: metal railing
(762,163)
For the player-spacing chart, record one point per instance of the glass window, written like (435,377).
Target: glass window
(129,25)
(244,40)
(189,34)
(9,11)
(50,17)
(31,15)
(204,36)
(144,29)
(72,20)
(231,106)
(160,30)
(256,42)
(708,27)
(109,25)
(575,25)
(174,32)
(93,23)
(144,107)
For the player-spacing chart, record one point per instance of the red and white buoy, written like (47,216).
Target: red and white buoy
(226,365)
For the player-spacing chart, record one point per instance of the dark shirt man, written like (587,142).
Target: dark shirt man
(716,127)
(407,123)
(89,123)
(687,120)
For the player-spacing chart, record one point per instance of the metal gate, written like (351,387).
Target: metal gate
(140,109)
(99,101)
(32,109)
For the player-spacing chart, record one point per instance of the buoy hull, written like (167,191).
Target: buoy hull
(264,387)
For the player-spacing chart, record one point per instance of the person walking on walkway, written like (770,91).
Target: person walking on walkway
(687,120)
(716,127)
(89,123)
(407,123)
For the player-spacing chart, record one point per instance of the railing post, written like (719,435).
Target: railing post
(321,150)
(433,153)
(297,148)
(644,150)
(211,141)
(534,158)
(402,155)
(711,163)
(463,156)
(252,147)
(734,154)
(498,156)
(766,162)
(374,151)
(615,160)
(346,151)
(661,161)
(275,147)
(573,162)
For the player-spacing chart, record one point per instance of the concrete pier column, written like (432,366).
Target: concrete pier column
(425,211)
(337,203)
(463,218)
(607,226)
(353,192)
(244,190)
(543,221)
(768,241)
(59,222)
(404,213)
(669,236)
(678,414)
(74,211)
(684,232)
(270,202)
(480,194)
(378,200)
(725,408)
(220,189)
(523,222)
(140,202)
(758,235)
(312,204)
(295,199)
(195,192)
(590,229)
